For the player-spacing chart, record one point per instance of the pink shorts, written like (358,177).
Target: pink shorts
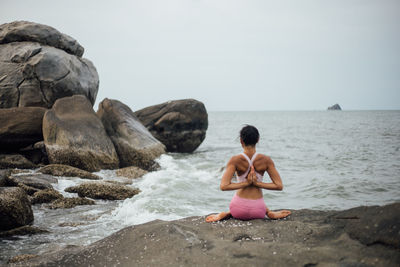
(247,209)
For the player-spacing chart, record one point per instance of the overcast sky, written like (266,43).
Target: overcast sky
(234,55)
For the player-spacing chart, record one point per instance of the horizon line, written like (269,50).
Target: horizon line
(274,110)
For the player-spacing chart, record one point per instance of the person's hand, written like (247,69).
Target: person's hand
(251,177)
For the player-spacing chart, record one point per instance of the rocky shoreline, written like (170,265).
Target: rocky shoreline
(362,236)
(47,121)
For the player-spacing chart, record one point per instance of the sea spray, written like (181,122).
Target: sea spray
(173,192)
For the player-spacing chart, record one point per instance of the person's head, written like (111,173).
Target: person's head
(249,135)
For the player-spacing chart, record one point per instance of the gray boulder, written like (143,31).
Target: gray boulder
(75,136)
(180,125)
(32,74)
(103,191)
(133,142)
(20,31)
(15,208)
(20,127)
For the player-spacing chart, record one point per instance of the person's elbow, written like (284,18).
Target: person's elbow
(279,187)
(223,187)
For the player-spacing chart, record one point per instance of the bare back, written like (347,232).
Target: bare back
(260,166)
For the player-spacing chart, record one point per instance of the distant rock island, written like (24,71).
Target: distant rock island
(335,107)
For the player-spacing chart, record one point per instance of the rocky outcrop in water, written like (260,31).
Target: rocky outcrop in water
(75,136)
(335,107)
(45,196)
(33,180)
(103,191)
(133,142)
(131,172)
(20,127)
(38,65)
(23,230)
(363,236)
(180,125)
(65,170)
(15,208)
(70,202)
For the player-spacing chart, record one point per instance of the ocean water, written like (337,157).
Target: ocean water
(327,160)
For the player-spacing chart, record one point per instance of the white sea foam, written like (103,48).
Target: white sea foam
(167,194)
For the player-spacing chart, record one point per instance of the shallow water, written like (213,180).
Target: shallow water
(327,160)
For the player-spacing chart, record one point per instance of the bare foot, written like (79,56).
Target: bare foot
(278,214)
(217,217)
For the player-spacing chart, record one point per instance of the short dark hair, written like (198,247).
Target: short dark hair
(249,135)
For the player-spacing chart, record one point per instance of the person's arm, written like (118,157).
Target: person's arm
(227,178)
(273,174)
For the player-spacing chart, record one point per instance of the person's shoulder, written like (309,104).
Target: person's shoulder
(236,159)
(264,158)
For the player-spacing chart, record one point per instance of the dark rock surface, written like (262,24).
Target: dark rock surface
(15,161)
(335,107)
(306,238)
(133,142)
(75,136)
(20,31)
(23,230)
(70,202)
(35,153)
(36,70)
(180,125)
(69,171)
(15,208)
(4,174)
(103,191)
(20,127)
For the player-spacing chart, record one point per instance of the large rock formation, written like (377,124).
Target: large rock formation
(20,127)
(180,125)
(15,208)
(133,142)
(20,31)
(75,136)
(364,236)
(38,65)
